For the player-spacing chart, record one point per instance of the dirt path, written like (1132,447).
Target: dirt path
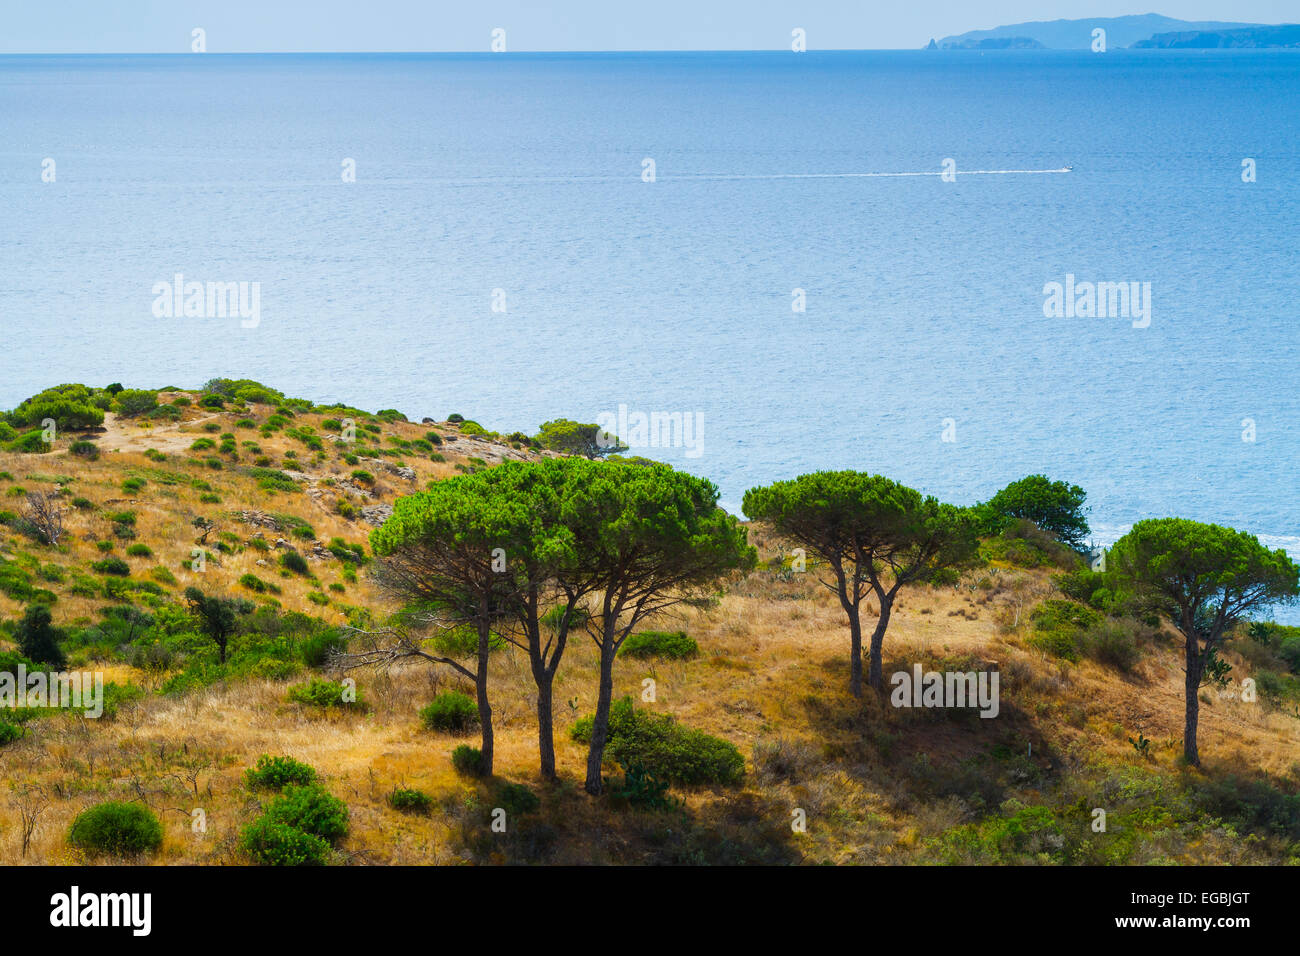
(124,435)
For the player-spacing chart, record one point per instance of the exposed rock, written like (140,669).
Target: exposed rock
(354,489)
(258,519)
(376,514)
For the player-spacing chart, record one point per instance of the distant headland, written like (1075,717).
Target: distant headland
(1145,31)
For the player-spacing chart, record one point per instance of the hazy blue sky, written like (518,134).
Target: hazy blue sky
(158,26)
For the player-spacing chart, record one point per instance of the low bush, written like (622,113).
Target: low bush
(253,583)
(516,799)
(317,650)
(450,711)
(278,844)
(659,745)
(295,562)
(405,800)
(642,790)
(463,642)
(9,732)
(312,809)
(671,645)
(122,829)
(318,692)
(467,760)
(276,773)
(1114,643)
(115,566)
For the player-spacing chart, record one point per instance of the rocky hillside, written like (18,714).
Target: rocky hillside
(270,503)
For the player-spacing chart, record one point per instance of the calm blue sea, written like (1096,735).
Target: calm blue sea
(524,174)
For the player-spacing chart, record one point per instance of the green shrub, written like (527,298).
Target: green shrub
(463,642)
(114,566)
(295,562)
(72,407)
(163,575)
(84,449)
(277,844)
(38,639)
(1113,643)
(673,645)
(139,551)
(661,746)
(121,829)
(271,479)
(133,402)
(10,732)
(410,801)
(467,760)
(1289,651)
(316,650)
(516,799)
(1055,613)
(642,790)
(319,692)
(253,583)
(450,710)
(1059,643)
(276,773)
(311,808)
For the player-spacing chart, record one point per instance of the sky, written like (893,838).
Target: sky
(271,26)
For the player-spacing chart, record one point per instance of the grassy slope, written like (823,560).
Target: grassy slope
(877,784)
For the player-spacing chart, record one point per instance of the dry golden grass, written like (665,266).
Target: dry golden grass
(772,676)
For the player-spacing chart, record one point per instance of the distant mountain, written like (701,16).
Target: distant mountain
(994,43)
(1077,34)
(1253,38)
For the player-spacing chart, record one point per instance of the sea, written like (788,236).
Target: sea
(755,264)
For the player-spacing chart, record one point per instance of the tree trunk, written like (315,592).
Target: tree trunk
(855,654)
(1195,664)
(481,692)
(546,727)
(852,608)
(600,724)
(544,678)
(878,641)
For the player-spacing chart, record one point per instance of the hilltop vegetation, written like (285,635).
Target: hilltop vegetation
(213,553)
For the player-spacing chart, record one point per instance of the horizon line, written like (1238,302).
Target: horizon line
(615,52)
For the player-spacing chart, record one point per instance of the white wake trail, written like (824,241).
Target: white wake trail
(957,172)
